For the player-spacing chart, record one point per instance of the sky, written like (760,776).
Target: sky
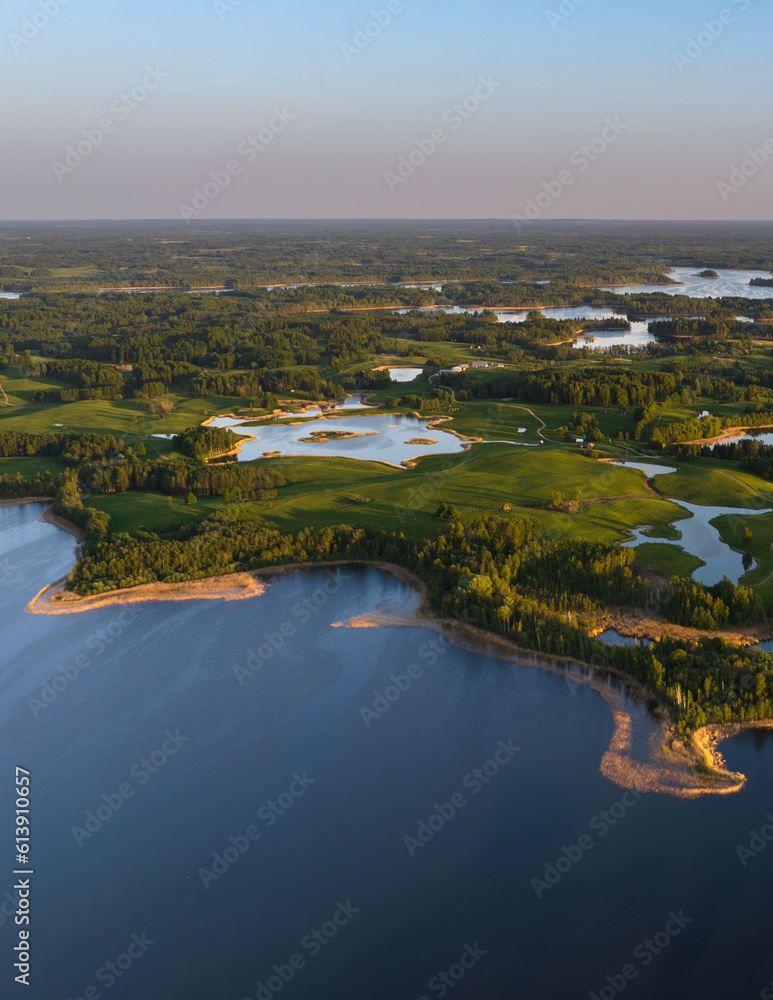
(396,109)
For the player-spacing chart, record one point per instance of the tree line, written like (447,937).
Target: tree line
(492,573)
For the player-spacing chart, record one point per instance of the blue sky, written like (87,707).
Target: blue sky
(358,111)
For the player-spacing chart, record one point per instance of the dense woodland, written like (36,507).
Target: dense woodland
(249,254)
(495,574)
(258,344)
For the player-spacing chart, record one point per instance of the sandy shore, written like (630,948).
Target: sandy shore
(728,432)
(55,599)
(64,524)
(640,626)
(22,503)
(659,764)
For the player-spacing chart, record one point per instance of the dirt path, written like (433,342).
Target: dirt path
(624,496)
(746,486)
(540,421)
(5,397)
(767,578)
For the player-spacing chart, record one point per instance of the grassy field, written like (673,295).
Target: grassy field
(127,418)
(29,467)
(154,511)
(668,559)
(493,421)
(484,480)
(479,482)
(713,483)
(731,528)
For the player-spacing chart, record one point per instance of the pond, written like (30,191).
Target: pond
(404,374)
(701,538)
(596,340)
(613,638)
(390,438)
(350,403)
(646,467)
(763,437)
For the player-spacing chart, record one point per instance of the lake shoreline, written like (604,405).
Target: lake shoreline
(729,432)
(669,767)
(338,413)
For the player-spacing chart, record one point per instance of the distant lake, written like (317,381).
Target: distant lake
(335,850)
(763,437)
(637,336)
(729,283)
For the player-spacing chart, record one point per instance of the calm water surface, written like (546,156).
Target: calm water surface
(247,754)
(730,283)
(404,374)
(701,538)
(383,438)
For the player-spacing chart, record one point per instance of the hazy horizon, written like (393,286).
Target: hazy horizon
(579,110)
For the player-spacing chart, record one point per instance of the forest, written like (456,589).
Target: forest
(493,574)
(39,256)
(105,397)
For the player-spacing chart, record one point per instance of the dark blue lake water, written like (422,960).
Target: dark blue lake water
(251,823)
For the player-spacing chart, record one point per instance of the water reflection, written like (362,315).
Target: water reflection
(701,538)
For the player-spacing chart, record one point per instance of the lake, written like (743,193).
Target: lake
(762,437)
(330,758)
(381,438)
(647,468)
(729,283)
(404,374)
(702,539)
